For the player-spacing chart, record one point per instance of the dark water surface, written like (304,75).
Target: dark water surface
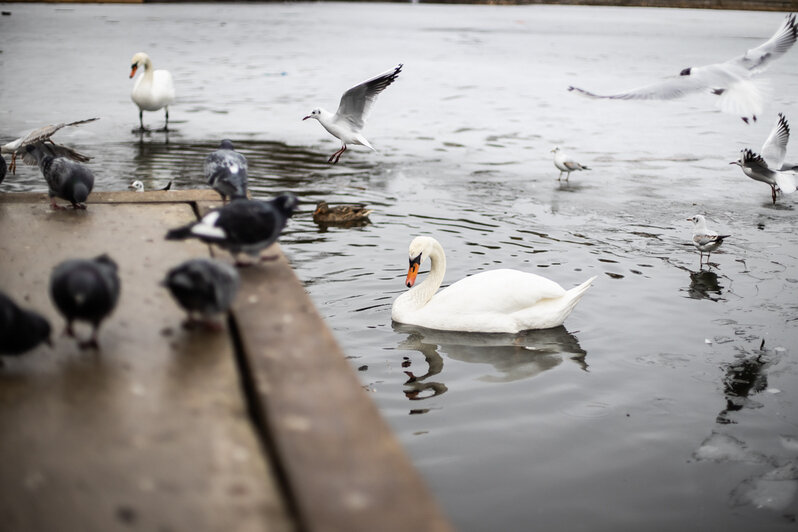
(657,406)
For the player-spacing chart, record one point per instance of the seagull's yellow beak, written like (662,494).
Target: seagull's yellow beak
(133,70)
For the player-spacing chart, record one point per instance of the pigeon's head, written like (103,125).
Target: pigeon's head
(106,260)
(286,203)
(315,113)
(226,144)
(686,71)
(137,185)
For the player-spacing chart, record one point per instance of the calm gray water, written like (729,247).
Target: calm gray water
(656,406)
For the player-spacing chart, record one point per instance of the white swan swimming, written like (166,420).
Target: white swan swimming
(153,90)
(495,301)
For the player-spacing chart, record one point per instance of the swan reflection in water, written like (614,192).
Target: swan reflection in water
(513,356)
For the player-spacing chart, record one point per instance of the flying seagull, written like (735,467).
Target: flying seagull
(566,164)
(355,103)
(85,290)
(205,288)
(42,136)
(153,90)
(226,171)
(731,80)
(706,240)
(241,226)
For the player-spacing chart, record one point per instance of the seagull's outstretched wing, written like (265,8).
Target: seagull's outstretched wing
(44,133)
(757,59)
(667,89)
(356,102)
(775,148)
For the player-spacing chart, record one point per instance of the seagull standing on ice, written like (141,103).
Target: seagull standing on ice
(566,164)
(706,240)
(153,90)
(355,103)
(731,80)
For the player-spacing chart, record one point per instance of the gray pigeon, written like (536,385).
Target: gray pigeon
(2,169)
(66,179)
(20,330)
(241,226)
(226,171)
(204,287)
(86,290)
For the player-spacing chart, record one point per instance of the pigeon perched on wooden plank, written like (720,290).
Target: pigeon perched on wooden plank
(226,171)
(85,290)
(205,288)
(241,226)
(66,179)
(20,330)
(17,147)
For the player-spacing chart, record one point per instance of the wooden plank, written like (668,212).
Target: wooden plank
(150,433)
(150,196)
(345,469)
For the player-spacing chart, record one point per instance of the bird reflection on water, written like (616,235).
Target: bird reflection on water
(704,284)
(513,356)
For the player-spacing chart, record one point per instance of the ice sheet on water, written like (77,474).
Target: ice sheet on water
(724,448)
(775,490)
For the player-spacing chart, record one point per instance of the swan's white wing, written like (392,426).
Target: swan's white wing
(775,148)
(496,292)
(668,89)
(757,59)
(163,87)
(356,102)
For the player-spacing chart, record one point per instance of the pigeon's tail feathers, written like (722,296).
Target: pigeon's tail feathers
(180,233)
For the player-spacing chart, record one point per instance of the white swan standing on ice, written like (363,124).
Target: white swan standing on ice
(153,90)
(495,301)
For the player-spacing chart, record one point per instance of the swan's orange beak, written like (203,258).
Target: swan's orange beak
(412,272)
(133,70)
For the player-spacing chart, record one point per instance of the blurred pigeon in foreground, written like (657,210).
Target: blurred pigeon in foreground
(65,179)
(17,147)
(20,329)
(86,290)
(2,169)
(226,171)
(205,288)
(241,226)
(706,240)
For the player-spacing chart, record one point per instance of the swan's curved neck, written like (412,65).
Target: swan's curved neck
(423,291)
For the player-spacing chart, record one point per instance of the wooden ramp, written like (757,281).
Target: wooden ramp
(262,427)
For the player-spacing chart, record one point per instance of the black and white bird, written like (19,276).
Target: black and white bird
(242,226)
(138,186)
(66,179)
(42,136)
(205,288)
(85,290)
(153,90)
(347,122)
(732,81)
(565,163)
(226,171)
(706,240)
(20,329)
(755,167)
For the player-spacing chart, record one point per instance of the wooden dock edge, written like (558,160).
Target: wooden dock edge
(341,464)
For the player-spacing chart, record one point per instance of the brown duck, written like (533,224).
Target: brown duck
(324,214)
